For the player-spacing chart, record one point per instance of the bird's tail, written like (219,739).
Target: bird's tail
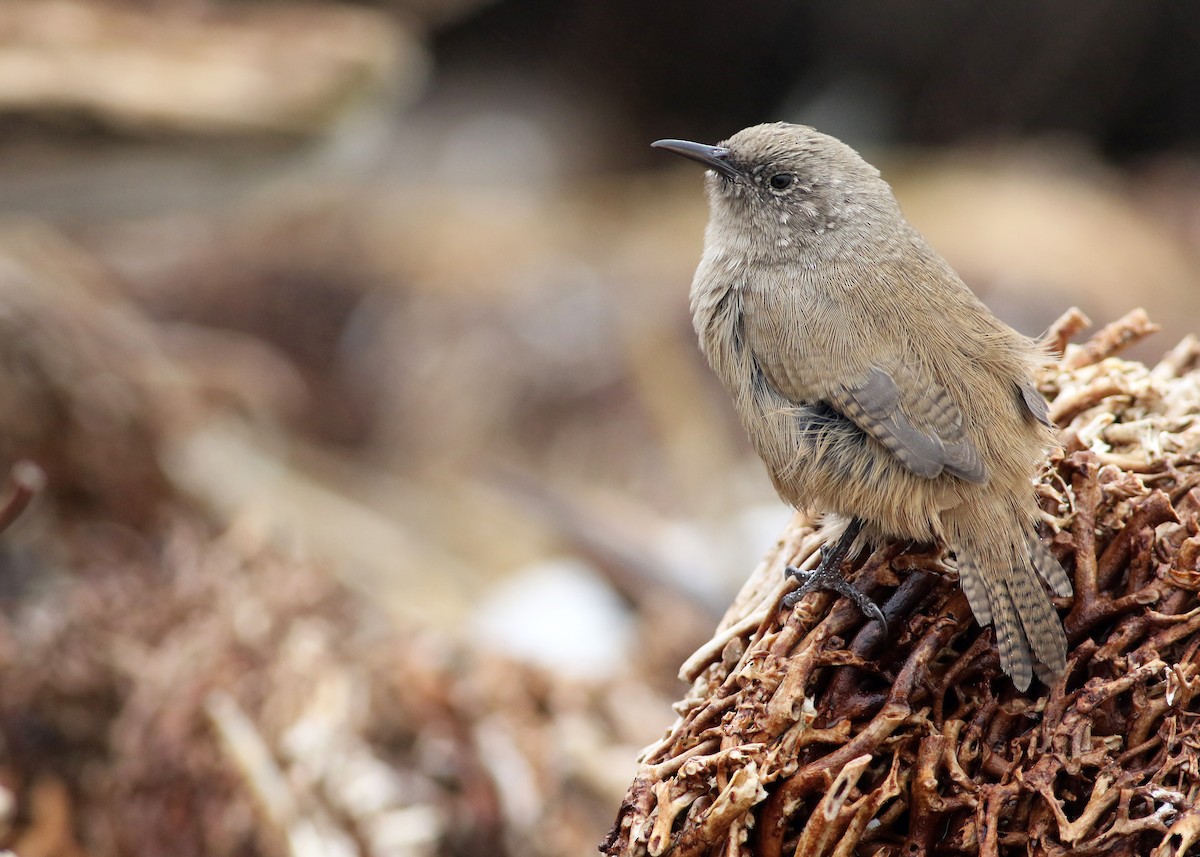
(999,567)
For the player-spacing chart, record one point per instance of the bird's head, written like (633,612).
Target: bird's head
(780,187)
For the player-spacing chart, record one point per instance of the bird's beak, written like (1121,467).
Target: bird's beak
(716,157)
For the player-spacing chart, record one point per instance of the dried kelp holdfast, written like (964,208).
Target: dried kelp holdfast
(804,733)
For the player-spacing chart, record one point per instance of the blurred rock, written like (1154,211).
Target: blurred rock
(559,615)
(1034,229)
(200,68)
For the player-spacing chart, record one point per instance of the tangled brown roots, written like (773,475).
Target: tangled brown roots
(807,733)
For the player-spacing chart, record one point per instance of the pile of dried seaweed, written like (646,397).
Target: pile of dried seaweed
(807,733)
(171,683)
(195,694)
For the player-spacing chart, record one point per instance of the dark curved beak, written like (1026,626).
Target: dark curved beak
(714,157)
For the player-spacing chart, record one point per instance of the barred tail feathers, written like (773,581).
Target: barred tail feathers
(1000,580)
(1047,566)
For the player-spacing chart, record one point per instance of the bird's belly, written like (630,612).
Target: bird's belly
(821,461)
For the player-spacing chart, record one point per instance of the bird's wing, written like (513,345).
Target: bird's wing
(1035,403)
(915,418)
(894,402)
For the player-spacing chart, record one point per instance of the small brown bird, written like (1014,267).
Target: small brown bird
(872,382)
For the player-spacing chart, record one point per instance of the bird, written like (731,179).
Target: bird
(875,386)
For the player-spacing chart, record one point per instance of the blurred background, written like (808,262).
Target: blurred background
(395,294)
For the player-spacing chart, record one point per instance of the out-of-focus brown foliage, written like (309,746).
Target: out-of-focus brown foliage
(808,733)
(174,685)
(211,695)
(86,392)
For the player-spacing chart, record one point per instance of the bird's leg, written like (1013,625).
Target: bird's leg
(828,575)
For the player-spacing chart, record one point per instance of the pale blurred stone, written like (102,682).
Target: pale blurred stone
(290,68)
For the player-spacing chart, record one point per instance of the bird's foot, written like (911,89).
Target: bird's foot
(830,579)
(828,576)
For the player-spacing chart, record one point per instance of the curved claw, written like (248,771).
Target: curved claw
(827,578)
(871,610)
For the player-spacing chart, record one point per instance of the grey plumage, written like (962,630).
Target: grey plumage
(871,381)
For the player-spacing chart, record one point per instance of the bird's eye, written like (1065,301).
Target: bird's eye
(780,181)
